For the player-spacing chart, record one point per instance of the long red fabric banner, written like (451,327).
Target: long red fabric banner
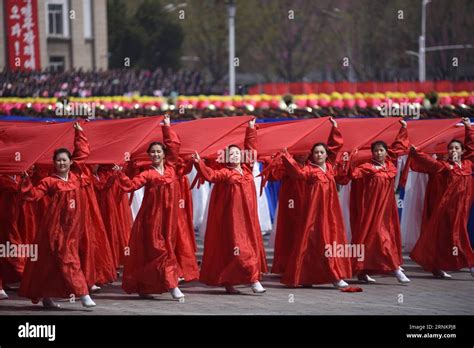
(23,144)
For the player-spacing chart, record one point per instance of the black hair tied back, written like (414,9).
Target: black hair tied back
(61,150)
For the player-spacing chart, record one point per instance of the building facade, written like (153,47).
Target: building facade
(69,34)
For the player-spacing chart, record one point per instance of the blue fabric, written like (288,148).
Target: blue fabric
(271,191)
(34,119)
(401,198)
(259,120)
(470,226)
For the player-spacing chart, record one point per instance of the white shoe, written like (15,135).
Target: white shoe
(231,290)
(176,293)
(402,278)
(95,289)
(87,301)
(400,268)
(3,295)
(366,278)
(49,303)
(442,274)
(340,284)
(258,288)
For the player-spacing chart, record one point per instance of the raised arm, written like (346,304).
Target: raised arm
(335,141)
(418,166)
(275,170)
(292,168)
(172,142)
(360,171)
(208,173)
(347,170)
(81,145)
(424,162)
(250,145)
(468,140)
(127,184)
(33,193)
(341,170)
(401,142)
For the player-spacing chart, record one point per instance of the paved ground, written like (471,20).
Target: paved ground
(423,296)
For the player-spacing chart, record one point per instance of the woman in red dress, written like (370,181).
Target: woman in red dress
(97,259)
(444,241)
(125,218)
(57,272)
(103,182)
(150,265)
(314,258)
(17,229)
(373,209)
(233,246)
(291,211)
(185,250)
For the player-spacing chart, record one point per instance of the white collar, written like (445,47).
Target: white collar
(159,171)
(378,164)
(317,165)
(67,177)
(241,172)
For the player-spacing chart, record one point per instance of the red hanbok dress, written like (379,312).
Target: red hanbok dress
(444,241)
(17,227)
(103,183)
(96,252)
(186,248)
(315,257)
(291,213)
(373,212)
(433,192)
(125,217)
(233,247)
(58,271)
(37,175)
(150,267)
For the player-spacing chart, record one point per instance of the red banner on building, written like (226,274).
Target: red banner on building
(21,17)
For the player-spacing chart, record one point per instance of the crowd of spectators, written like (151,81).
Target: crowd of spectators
(80,83)
(171,84)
